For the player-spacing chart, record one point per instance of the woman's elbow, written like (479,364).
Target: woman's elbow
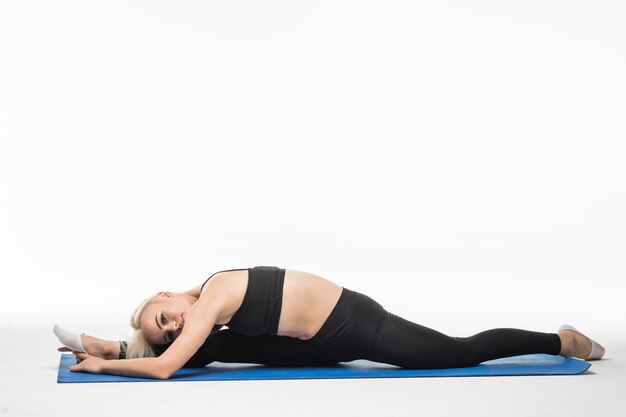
(164,374)
(162,368)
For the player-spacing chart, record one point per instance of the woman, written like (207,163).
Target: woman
(343,325)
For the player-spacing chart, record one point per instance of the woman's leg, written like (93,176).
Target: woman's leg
(230,347)
(407,344)
(107,349)
(360,328)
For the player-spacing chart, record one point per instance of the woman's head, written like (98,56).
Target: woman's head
(158,321)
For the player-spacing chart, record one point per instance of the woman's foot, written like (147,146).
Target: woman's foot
(107,349)
(68,339)
(576,344)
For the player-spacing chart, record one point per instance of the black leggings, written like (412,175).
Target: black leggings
(230,347)
(360,328)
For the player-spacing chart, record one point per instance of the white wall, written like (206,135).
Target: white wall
(463,163)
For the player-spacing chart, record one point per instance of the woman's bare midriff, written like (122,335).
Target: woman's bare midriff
(308,300)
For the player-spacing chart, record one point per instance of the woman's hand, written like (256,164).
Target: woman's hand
(87,363)
(66,349)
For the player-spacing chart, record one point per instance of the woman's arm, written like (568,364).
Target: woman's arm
(218,302)
(221,298)
(197,329)
(180,351)
(139,367)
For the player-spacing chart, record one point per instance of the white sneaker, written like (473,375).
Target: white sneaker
(597,351)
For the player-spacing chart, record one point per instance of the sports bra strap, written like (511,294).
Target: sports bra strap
(226,270)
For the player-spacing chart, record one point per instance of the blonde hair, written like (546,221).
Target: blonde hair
(138,345)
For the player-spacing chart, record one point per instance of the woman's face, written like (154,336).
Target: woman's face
(162,321)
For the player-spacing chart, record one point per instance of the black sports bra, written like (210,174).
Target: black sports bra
(259,312)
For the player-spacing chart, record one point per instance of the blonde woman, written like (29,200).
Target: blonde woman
(341,324)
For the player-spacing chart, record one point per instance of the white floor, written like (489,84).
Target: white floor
(28,387)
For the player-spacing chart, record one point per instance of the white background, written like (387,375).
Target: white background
(460,162)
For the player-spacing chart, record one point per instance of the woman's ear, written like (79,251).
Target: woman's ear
(164,294)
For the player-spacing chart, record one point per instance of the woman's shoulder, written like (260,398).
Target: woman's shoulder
(224,282)
(225,293)
(226,272)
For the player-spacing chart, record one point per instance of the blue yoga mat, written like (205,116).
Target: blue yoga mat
(515,365)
